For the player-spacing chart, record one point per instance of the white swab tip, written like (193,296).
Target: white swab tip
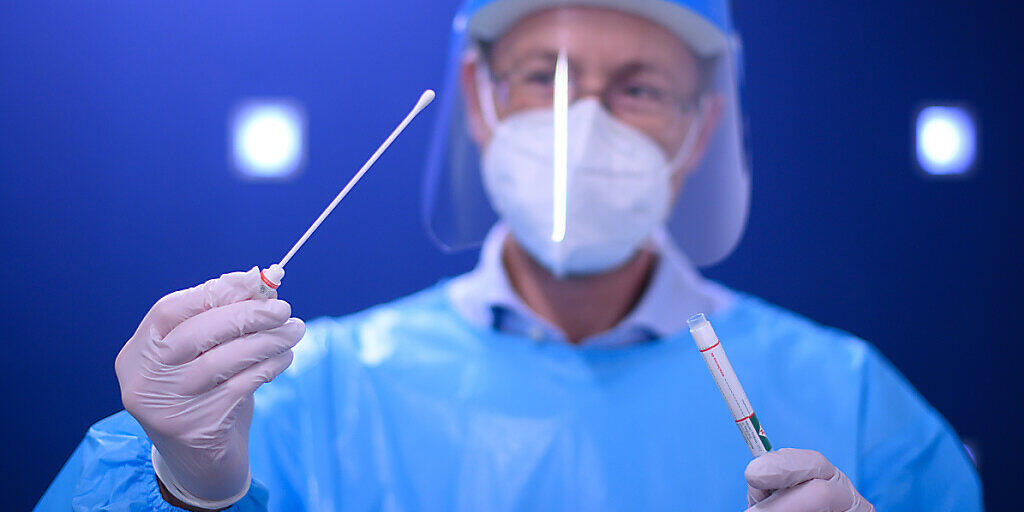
(425,99)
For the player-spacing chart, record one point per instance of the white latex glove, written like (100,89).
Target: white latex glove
(188,375)
(790,480)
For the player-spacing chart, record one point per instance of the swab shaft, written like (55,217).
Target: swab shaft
(424,100)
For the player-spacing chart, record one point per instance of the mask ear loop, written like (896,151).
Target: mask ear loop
(485,92)
(690,142)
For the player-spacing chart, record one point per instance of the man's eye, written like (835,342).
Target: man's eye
(540,77)
(644,92)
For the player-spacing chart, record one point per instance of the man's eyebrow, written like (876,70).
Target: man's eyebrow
(631,67)
(641,66)
(644,68)
(545,55)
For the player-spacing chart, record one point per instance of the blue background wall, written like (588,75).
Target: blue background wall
(115,187)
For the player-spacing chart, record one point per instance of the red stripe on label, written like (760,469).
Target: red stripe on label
(267,281)
(717,343)
(744,419)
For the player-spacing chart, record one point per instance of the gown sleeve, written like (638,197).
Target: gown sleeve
(111,471)
(111,468)
(910,458)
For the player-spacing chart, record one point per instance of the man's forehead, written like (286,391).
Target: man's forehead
(600,35)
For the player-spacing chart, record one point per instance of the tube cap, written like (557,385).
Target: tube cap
(272,276)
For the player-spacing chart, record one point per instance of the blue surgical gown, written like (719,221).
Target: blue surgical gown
(408,407)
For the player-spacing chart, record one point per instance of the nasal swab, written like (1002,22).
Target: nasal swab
(271,277)
(728,384)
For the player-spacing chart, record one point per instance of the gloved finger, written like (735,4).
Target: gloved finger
(244,383)
(756,495)
(176,307)
(210,328)
(229,358)
(787,467)
(814,495)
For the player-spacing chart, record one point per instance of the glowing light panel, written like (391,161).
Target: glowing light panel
(946,140)
(268,138)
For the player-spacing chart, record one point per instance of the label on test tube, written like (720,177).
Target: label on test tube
(270,279)
(729,385)
(265,291)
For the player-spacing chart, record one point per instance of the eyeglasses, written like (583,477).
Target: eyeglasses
(634,94)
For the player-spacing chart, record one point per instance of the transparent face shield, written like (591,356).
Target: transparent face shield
(585,129)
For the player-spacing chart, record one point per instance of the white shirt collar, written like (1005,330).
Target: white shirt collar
(675,292)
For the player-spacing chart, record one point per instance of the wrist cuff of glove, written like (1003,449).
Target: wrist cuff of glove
(175,488)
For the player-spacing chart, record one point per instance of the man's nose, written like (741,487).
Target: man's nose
(588,87)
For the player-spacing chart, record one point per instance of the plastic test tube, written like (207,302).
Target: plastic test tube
(714,356)
(270,279)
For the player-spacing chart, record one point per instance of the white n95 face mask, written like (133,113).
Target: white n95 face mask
(615,191)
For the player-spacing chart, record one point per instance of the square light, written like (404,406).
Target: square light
(268,138)
(947,140)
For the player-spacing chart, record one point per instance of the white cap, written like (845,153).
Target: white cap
(702,332)
(273,275)
(494,19)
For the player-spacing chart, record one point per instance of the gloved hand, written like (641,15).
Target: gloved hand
(188,375)
(800,481)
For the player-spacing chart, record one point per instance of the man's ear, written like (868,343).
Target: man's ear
(710,111)
(478,128)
